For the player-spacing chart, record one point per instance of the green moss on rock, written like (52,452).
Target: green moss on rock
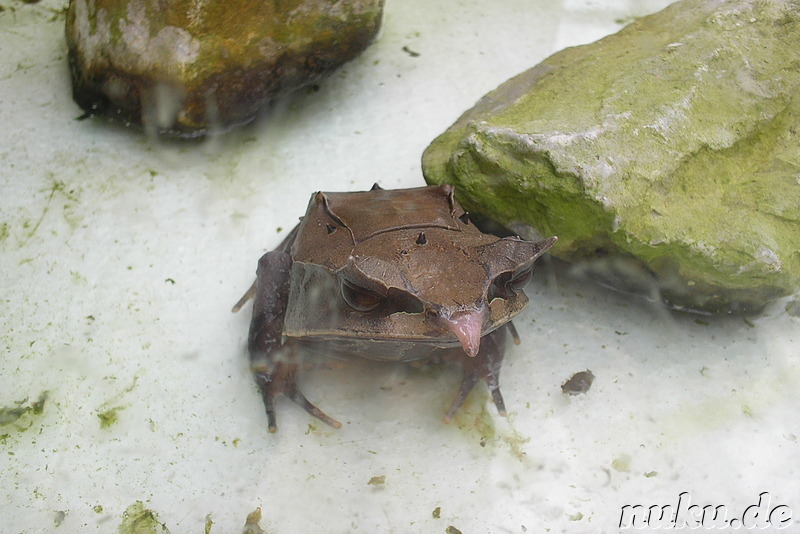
(673,142)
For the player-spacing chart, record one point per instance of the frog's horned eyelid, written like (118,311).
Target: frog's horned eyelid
(545,245)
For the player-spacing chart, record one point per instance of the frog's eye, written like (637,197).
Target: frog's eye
(520,279)
(509,284)
(359,298)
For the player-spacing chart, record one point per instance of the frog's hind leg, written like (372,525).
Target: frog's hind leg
(484,366)
(285,245)
(273,362)
(281,380)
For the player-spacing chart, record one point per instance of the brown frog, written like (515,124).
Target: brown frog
(392,275)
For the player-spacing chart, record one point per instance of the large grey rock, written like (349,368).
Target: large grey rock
(183,67)
(672,144)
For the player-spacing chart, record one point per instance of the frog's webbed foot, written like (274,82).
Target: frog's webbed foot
(282,381)
(484,366)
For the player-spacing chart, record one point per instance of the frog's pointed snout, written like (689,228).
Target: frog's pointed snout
(468,327)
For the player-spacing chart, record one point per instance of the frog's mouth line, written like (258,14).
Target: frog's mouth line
(462,330)
(435,340)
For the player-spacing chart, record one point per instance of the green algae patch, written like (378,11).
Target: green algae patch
(252,524)
(672,145)
(23,411)
(137,519)
(108,414)
(377,481)
(110,417)
(59,517)
(474,418)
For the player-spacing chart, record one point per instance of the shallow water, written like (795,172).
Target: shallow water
(122,257)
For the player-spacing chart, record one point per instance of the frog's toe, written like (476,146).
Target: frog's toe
(498,402)
(268,394)
(467,384)
(297,396)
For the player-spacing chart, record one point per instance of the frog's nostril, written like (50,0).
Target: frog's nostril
(468,327)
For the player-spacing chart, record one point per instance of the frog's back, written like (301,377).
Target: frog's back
(335,223)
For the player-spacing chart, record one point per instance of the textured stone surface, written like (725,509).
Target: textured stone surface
(186,66)
(672,143)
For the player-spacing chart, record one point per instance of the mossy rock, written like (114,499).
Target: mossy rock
(672,145)
(186,67)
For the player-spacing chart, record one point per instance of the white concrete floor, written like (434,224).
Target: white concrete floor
(121,258)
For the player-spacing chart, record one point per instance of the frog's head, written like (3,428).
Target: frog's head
(403,266)
(451,283)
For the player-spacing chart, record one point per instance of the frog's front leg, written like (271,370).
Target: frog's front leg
(273,362)
(484,366)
